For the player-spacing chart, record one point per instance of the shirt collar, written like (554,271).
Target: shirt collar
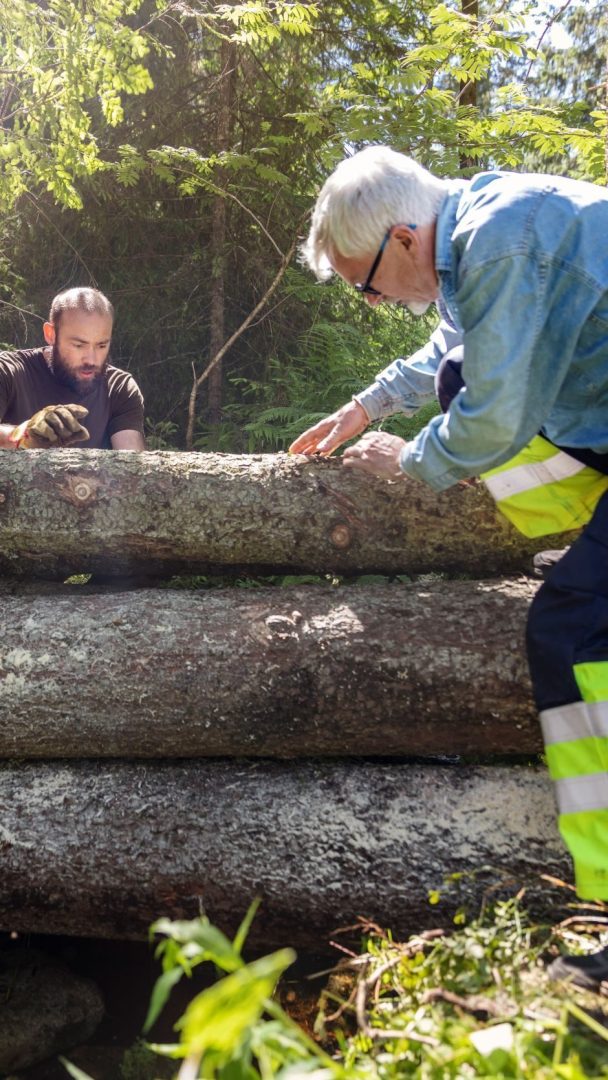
(446,223)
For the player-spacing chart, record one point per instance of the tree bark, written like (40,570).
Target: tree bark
(76,511)
(467,96)
(217,335)
(104,850)
(396,670)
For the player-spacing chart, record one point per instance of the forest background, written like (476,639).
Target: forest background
(170,153)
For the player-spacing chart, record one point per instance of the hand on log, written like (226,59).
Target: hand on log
(53,426)
(333,431)
(378,454)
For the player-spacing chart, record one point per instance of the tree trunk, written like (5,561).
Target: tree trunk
(351,671)
(75,511)
(467,97)
(104,850)
(217,332)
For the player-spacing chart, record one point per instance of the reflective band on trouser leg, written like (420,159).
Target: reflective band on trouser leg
(576,742)
(543,490)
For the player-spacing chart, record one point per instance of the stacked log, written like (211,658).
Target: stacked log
(332,748)
(80,511)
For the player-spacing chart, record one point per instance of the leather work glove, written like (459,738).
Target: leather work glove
(53,426)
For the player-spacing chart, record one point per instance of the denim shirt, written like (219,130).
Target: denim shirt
(522,262)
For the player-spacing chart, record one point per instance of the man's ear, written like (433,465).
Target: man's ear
(49,333)
(405,235)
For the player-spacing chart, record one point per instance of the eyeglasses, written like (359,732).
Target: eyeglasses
(365,287)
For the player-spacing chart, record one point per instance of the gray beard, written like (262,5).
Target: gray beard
(418,307)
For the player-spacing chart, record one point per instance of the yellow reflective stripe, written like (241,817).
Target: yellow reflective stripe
(577,794)
(586,837)
(557,507)
(522,478)
(538,449)
(581,720)
(577,758)
(543,490)
(592,680)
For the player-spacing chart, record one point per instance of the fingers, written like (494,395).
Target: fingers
(308,442)
(377,453)
(64,419)
(333,431)
(79,436)
(57,425)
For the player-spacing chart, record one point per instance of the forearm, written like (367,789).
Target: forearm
(408,384)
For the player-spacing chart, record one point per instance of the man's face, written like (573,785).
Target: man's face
(405,274)
(80,346)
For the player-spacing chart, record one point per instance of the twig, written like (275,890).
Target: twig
(556,15)
(79,257)
(234,337)
(472,1005)
(365,985)
(331,1019)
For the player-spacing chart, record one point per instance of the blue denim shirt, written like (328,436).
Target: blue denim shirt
(522,262)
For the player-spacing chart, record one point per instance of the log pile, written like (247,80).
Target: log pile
(166,750)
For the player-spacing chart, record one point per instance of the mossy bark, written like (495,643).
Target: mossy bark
(103,850)
(72,511)
(393,670)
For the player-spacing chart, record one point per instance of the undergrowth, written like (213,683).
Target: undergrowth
(468,1000)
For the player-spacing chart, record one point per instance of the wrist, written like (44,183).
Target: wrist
(364,413)
(16,437)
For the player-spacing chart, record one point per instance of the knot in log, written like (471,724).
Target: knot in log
(340,536)
(79,490)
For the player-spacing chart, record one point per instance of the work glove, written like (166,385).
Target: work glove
(53,426)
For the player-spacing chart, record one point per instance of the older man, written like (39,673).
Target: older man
(520,275)
(47,394)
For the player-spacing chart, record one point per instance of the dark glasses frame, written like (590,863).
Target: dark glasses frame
(365,287)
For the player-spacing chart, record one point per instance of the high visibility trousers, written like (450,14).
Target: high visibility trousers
(567,640)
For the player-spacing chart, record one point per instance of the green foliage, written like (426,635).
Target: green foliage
(232,1030)
(112,166)
(469,1002)
(335,356)
(448,995)
(63,62)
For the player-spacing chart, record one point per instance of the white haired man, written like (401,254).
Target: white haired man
(46,394)
(521,281)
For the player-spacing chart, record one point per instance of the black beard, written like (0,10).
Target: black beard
(65,377)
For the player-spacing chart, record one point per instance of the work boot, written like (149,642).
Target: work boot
(589,972)
(544,561)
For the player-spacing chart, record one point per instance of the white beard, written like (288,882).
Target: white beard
(417,307)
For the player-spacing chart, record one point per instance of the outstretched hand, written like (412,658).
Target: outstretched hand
(333,431)
(377,453)
(55,425)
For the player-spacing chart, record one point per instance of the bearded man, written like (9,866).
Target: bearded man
(47,394)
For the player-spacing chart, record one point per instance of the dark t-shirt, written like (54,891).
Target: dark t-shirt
(27,384)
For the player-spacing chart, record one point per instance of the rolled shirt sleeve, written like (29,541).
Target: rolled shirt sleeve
(407,384)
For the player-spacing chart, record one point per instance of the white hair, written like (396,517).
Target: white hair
(363,197)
